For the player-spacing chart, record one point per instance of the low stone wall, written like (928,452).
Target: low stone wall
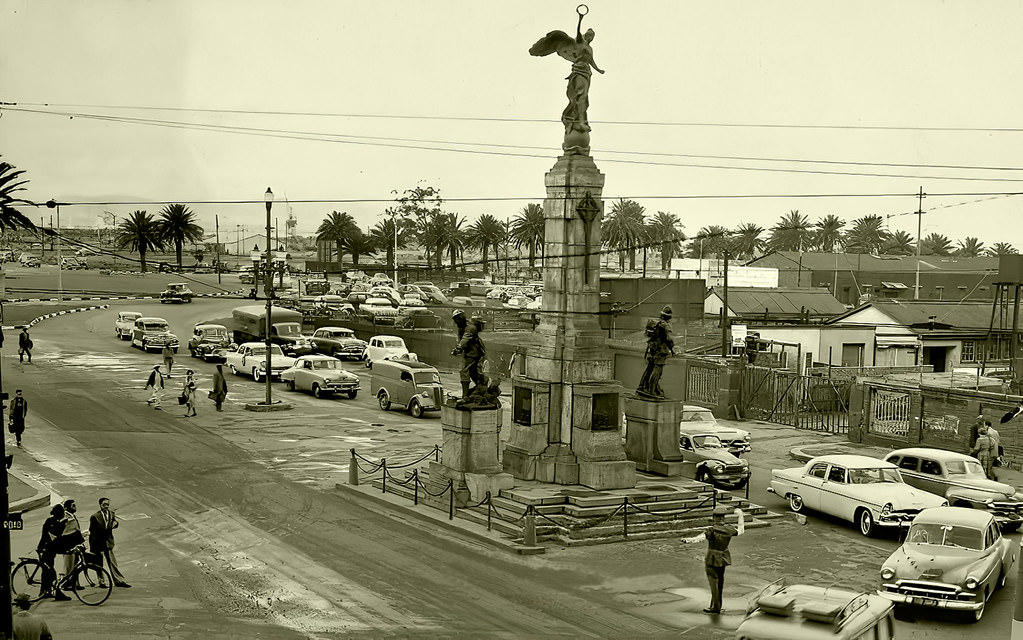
(850,373)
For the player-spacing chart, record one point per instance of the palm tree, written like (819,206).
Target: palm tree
(827,232)
(10,184)
(665,227)
(746,241)
(710,241)
(1002,249)
(791,233)
(139,232)
(177,224)
(970,247)
(623,230)
(899,243)
(358,244)
(431,236)
(452,237)
(527,229)
(486,232)
(383,235)
(867,235)
(336,228)
(936,244)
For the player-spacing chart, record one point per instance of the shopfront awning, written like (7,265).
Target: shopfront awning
(884,342)
(894,285)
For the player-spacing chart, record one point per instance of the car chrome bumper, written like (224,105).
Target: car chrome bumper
(924,601)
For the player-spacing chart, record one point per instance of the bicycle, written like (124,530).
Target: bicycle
(88,579)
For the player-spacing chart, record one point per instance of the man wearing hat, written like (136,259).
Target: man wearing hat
(659,345)
(985,450)
(26,624)
(718,536)
(155,386)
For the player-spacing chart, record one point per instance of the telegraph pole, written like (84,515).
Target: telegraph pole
(7,621)
(919,229)
(725,340)
(216,247)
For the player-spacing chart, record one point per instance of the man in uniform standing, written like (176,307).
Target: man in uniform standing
(472,350)
(660,345)
(718,536)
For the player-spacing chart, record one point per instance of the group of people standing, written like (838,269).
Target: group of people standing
(155,385)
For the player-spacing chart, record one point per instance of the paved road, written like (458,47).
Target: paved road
(232,528)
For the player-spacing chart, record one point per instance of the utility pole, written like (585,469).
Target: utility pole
(216,247)
(7,621)
(725,342)
(919,229)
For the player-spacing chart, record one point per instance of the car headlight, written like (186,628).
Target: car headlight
(262,365)
(744,463)
(887,573)
(886,509)
(971,583)
(747,437)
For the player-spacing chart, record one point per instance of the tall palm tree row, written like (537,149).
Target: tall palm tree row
(177,225)
(140,232)
(485,233)
(359,244)
(384,234)
(1002,249)
(970,247)
(665,228)
(336,228)
(710,242)
(899,243)
(624,230)
(451,236)
(936,244)
(867,235)
(792,232)
(527,230)
(10,184)
(746,241)
(827,233)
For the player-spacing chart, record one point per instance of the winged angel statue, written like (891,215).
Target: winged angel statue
(577,51)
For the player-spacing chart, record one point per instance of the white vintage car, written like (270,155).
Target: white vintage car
(386,348)
(124,324)
(249,358)
(695,417)
(322,376)
(860,489)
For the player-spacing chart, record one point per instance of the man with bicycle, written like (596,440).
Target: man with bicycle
(49,546)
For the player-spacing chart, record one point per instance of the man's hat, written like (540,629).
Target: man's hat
(666,311)
(457,312)
(156,366)
(721,511)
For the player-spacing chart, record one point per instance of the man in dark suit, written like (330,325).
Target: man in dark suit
(101,539)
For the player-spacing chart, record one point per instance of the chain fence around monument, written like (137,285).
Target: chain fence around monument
(530,517)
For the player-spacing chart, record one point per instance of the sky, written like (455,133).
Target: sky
(718,112)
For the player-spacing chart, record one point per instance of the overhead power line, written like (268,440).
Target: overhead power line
(400,116)
(410,143)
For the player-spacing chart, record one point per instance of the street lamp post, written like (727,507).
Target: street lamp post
(394,223)
(268,197)
(53,204)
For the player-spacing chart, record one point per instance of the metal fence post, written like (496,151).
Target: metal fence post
(451,500)
(353,470)
(749,480)
(625,517)
(436,453)
(489,510)
(383,478)
(415,486)
(529,528)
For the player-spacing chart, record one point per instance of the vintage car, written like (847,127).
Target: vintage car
(322,376)
(959,479)
(338,342)
(385,348)
(249,358)
(713,462)
(176,292)
(377,311)
(27,260)
(124,324)
(412,385)
(860,489)
(153,334)
(415,317)
(208,342)
(953,558)
(782,611)
(387,293)
(436,295)
(695,417)
(71,263)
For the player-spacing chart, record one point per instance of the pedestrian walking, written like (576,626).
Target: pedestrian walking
(188,393)
(25,624)
(19,409)
(155,386)
(47,548)
(168,358)
(718,536)
(101,539)
(24,345)
(984,450)
(219,392)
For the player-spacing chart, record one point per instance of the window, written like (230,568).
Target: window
(930,466)
(836,474)
(817,471)
(969,351)
(908,463)
(893,459)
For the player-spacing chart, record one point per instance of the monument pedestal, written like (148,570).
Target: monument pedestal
(469,456)
(652,433)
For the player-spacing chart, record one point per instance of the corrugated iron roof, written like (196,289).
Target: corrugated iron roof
(972,316)
(863,262)
(745,301)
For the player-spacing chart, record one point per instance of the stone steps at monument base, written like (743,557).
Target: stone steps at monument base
(642,533)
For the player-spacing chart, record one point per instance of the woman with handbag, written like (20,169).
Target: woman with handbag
(188,394)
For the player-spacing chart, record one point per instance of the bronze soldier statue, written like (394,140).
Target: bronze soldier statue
(660,344)
(470,346)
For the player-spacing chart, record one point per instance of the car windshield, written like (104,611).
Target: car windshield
(157,326)
(871,476)
(292,329)
(394,344)
(426,377)
(707,442)
(697,416)
(964,467)
(130,316)
(342,334)
(215,333)
(326,364)
(261,350)
(946,535)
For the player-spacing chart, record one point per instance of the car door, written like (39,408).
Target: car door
(304,374)
(810,484)
(930,476)
(835,495)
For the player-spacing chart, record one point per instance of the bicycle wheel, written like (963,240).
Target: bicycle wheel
(27,578)
(92,584)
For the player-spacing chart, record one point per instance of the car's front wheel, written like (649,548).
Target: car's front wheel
(796,502)
(741,483)
(415,409)
(255,374)
(979,613)
(384,400)
(233,370)
(317,391)
(289,385)
(866,521)
(352,395)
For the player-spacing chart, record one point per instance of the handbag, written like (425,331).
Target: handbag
(182,399)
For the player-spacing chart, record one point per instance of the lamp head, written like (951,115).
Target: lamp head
(268,197)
